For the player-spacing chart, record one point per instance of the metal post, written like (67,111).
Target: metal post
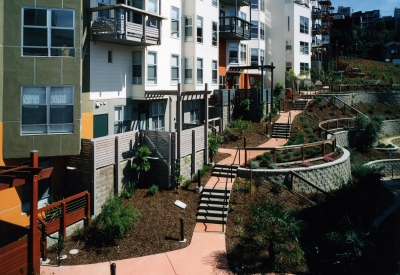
(199,188)
(182,240)
(245,151)
(113,269)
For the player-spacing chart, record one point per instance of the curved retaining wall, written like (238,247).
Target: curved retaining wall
(392,98)
(389,166)
(328,176)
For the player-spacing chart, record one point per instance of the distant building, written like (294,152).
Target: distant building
(346,11)
(396,16)
(394,51)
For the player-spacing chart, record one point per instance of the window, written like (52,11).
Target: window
(262,5)
(122,119)
(174,69)
(215,3)
(304,47)
(262,31)
(288,23)
(188,28)
(303,67)
(106,13)
(254,29)
(199,71)
(233,53)
(254,4)
(254,56)
(303,24)
(137,67)
(48,32)
(214,33)
(158,109)
(152,6)
(152,68)
(109,57)
(242,54)
(188,70)
(288,66)
(262,55)
(175,22)
(242,15)
(47,109)
(214,72)
(194,111)
(235,82)
(288,46)
(199,29)
(222,80)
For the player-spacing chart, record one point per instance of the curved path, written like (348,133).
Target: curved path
(205,255)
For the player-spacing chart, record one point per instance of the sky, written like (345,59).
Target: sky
(385,6)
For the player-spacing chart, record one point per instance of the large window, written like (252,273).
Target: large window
(175,22)
(194,111)
(188,28)
(288,66)
(152,6)
(304,47)
(188,70)
(214,33)
(303,24)
(158,110)
(47,109)
(288,46)
(304,67)
(137,67)
(254,29)
(214,72)
(242,54)
(174,69)
(262,31)
(254,56)
(151,68)
(233,53)
(122,119)
(254,4)
(48,32)
(199,29)
(199,71)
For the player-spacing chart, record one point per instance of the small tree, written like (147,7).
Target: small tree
(291,79)
(368,132)
(212,145)
(141,162)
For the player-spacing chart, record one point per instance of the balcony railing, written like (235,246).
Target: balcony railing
(316,29)
(233,27)
(326,28)
(316,13)
(130,26)
(235,2)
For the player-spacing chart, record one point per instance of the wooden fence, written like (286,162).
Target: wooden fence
(14,258)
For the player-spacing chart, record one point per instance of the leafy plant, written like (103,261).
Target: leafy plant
(368,132)
(127,190)
(187,183)
(153,189)
(245,104)
(240,126)
(272,166)
(212,144)
(140,162)
(255,165)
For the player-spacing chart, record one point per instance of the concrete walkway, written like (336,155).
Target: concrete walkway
(205,255)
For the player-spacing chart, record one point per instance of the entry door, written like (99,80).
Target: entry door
(143,121)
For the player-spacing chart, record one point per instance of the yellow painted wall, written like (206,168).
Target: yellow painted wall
(87,125)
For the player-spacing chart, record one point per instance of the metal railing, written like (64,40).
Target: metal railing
(236,26)
(226,187)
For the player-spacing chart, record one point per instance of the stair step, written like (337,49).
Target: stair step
(214,201)
(216,189)
(224,174)
(212,213)
(224,169)
(212,206)
(209,219)
(215,195)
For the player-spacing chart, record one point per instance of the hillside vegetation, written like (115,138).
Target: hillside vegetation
(387,73)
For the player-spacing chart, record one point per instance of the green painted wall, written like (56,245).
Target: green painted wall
(27,70)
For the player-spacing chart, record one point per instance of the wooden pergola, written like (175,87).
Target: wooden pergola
(13,176)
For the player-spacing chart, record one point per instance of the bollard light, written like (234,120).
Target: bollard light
(113,268)
(182,240)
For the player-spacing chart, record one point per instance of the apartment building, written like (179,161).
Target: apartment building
(141,48)
(40,91)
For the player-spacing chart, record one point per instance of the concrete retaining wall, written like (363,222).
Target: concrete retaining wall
(390,167)
(328,176)
(186,164)
(104,185)
(392,98)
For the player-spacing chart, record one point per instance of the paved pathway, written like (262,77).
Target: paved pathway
(206,254)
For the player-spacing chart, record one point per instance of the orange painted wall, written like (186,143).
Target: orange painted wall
(87,125)
(11,208)
(1,144)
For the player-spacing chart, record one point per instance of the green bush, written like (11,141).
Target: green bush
(272,166)
(278,157)
(255,165)
(287,155)
(285,151)
(187,183)
(115,219)
(364,173)
(240,126)
(267,156)
(203,170)
(259,157)
(127,190)
(297,153)
(368,132)
(212,144)
(153,189)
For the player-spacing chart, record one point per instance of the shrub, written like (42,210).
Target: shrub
(255,165)
(278,157)
(285,151)
(115,219)
(240,126)
(272,166)
(287,155)
(364,173)
(267,156)
(203,170)
(127,190)
(212,144)
(368,132)
(187,183)
(297,153)
(259,157)
(153,189)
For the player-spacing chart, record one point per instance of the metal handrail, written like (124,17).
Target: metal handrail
(288,123)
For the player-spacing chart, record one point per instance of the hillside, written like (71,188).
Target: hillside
(387,73)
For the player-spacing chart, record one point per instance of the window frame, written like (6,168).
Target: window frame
(214,72)
(231,60)
(289,46)
(262,31)
(242,54)
(289,65)
(156,6)
(137,80)
(214,34)
(262,5)
(214,3)
(125,120)
(304,68)
(52,51)
(199,70)
(157,116)
(254,4)
(254,30)
(304,24)
(175,33)
(199,29)
(304,48)
(48,113)
(188,68)
(188,26)
(252,60)
(194,109)
(175,81)
(152,65)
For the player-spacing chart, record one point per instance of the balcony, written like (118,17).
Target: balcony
(234,28)
(326,27)
(235,3)
(316,13)
(302,2)
(126,25)
(316,29)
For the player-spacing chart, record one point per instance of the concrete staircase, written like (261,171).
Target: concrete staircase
(214,201)
(299,105)
(281,130)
